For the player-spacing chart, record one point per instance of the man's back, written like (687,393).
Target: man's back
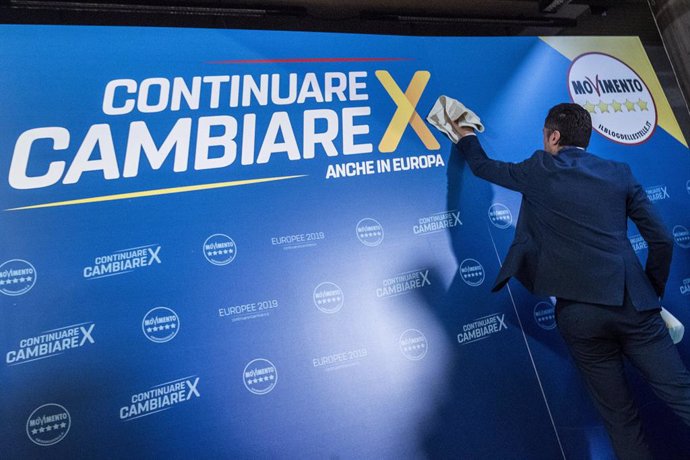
(571,238)
(584,192)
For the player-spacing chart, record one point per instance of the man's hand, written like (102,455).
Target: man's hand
(464,130)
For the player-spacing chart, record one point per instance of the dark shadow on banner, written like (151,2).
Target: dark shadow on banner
(513,393)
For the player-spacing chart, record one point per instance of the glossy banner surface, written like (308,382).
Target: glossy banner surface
(251,244)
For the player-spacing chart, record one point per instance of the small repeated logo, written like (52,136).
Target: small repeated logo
(160,397)
(369,232)
(472,272)
(17,277)
(340,360)
(681,236)
(123,261)
(482,328)
(437,222)
(621,105)
(403,283)
(260,376)
(413,344)
(220,249)
(638,243)
(160,324)
(48,424)
(657,193)
(685,287)
(248,311)
(298,240)
(545,315)
(51,343)
(328,297)
(500,215)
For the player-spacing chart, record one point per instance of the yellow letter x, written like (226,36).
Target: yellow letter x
(406,111)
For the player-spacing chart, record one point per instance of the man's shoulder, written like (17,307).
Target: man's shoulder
(608,161)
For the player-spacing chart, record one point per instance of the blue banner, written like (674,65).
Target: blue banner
(250,244)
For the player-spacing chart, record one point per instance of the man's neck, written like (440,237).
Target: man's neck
(566,147)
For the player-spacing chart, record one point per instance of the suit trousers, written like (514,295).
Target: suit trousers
(598,337)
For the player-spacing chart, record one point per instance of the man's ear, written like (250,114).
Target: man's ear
(555,137)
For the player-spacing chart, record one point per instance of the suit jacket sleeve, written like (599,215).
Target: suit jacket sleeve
(513,176)
(652,229)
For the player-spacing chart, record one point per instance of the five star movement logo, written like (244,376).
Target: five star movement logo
(682,236)
(369,232)
(260,376)
(621,105)
(500,215)
(413,344)
(545,315)
(48,424)
(17,277)
(220,249)
(160,324)
(328,297)
(471,272)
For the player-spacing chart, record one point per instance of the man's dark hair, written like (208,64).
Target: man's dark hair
(572,121)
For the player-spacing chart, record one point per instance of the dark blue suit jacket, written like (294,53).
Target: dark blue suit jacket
(571,236)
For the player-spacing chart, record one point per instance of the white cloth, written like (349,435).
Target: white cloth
(447,111)
(675,327)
